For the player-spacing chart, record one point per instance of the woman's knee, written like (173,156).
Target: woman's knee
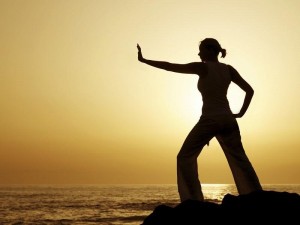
(184,160)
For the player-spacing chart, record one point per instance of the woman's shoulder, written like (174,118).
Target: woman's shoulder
(235,75)
(199,67)
(218,65)
(231,69)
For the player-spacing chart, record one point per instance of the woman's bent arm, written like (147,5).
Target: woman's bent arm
(236,78)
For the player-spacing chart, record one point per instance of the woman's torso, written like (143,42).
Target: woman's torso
(213,87)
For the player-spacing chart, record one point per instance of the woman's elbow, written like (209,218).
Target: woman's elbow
(250,91)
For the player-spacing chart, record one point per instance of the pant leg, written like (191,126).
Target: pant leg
(189,186)
(244,175)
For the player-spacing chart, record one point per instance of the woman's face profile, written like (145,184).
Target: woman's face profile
(206,54)
(203,53)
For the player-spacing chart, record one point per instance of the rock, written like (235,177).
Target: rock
(256,207)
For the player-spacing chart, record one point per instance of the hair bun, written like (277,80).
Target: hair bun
(223,52)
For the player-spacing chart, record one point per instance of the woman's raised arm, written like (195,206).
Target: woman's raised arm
(190,68)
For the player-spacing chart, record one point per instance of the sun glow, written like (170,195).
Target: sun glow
(78,107)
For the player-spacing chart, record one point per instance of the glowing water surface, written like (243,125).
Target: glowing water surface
(98,204)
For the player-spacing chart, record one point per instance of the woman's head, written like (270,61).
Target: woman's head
(210,49)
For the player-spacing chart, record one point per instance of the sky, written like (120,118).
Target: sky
(77,107)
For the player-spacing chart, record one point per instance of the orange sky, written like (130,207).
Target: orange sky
(78,108)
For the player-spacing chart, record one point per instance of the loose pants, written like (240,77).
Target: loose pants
(226,130)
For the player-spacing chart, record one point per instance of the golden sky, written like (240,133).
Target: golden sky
(78,108)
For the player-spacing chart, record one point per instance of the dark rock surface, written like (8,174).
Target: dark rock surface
(255,208)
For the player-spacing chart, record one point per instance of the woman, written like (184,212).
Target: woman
(216,120)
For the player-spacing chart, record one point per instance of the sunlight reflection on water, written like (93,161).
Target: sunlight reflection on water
(98,204)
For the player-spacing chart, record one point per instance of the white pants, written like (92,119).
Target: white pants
(225,128)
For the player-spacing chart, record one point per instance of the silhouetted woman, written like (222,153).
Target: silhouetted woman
(217,120)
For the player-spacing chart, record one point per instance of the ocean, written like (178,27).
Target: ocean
(99,204)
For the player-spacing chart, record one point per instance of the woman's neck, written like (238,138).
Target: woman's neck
(210,60)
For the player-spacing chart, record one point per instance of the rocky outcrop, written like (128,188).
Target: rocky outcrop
(254,208)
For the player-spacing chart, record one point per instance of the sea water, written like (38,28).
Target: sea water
(99,204)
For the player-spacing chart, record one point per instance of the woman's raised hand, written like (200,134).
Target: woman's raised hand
(140,56)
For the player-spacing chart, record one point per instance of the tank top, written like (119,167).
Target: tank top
(213,88)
